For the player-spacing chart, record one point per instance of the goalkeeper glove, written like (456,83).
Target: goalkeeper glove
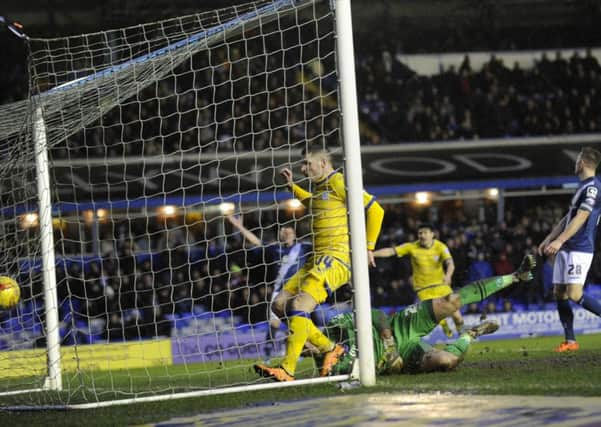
(391,362)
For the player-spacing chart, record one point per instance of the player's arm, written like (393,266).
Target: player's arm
(572,228)
(384,252)
(390,362)
(381,322)
(553,234)
(449,270)
(236,221)
(373,226)
(399,251)
(374,215)
(298,192)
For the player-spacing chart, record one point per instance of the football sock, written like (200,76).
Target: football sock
(459,346)
(299,325)
(591,304)
(566,317)
(318,339)
(482,289)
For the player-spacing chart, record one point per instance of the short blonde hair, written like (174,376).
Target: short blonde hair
(319,150)
(590,156)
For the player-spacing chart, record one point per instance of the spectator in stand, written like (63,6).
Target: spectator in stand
(479,268)
(502,265)
(507,306)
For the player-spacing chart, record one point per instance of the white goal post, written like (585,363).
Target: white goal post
(133,148)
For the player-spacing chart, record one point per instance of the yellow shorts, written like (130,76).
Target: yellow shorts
(319,277)
(433,291)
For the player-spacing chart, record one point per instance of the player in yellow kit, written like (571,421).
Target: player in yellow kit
(432,266)
(327,269)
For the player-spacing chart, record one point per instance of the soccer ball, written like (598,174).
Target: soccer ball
(9,292)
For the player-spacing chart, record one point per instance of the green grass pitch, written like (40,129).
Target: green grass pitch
(521,367)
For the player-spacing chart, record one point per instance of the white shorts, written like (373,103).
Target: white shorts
(274,294)
(571,268)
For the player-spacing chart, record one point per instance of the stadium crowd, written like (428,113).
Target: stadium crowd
(268,100)
(557,96)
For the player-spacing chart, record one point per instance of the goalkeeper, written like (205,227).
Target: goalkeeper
(398,346)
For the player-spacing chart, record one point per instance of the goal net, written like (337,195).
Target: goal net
(154,135)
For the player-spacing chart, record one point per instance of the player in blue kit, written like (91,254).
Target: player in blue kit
(289,253)
(572,242)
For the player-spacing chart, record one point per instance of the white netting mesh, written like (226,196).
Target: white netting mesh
(151,129)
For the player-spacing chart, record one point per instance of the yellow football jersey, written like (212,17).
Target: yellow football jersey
(427,263)
(327,205)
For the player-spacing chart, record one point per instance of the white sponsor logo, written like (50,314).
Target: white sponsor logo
(591,191)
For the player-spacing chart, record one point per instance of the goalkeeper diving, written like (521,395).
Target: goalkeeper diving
(398,346)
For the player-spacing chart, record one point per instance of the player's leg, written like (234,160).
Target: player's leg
(454,353)
(299,324)
(566,317)
(438,360)
(569,274)
(280,300)
(576,294)
(301,329)
(270,336)
(444,307)
(579,264)
(458,320)
(564,307)
(460,346)
(280,306)
(326,277)
(274,318)
(433,292)
(312,282)
(481,289)
(341,330)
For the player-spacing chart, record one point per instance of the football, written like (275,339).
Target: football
(9,292)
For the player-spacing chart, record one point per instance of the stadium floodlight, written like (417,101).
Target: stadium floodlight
(167,211)
(91,216)
(492,193)
(294,204)
(227,208)
(422,197)
(193,115)
(29,220)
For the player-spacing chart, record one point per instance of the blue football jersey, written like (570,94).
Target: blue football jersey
(291,259)
(587,197)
